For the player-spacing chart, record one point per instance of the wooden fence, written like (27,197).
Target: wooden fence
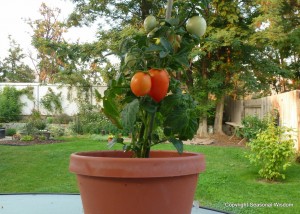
(287,104)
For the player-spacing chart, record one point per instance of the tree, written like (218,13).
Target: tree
(14,69)
(277,36)
(48,29)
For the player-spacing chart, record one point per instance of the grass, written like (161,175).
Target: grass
(229,183)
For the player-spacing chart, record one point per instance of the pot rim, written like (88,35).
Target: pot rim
(120,164)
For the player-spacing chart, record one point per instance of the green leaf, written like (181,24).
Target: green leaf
(129,114)
(153,48)
(177,144)
(166,44)
(163,54)
(148,105)
(183,121)
(111,111)
(180,113)
(182,60)
(98,95)
(173,21)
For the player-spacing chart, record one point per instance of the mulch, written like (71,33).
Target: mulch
(217,140)
(28,143)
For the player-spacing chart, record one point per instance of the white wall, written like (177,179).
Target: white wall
(69,106)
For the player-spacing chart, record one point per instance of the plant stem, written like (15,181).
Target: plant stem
(149,137)
(169,9)
(141,134)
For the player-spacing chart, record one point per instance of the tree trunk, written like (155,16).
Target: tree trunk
(202,129)
(219,116)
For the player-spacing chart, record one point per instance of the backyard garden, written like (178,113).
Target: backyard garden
(173,65)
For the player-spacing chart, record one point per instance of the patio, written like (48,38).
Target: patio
(55,203)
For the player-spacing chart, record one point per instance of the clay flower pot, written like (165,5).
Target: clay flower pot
(112,182)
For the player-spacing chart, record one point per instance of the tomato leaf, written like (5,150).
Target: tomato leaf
(181,116)
(177,144)
(166,44)
(153,48)
(129,114)
(183,122)
(148,105)
(111,111)
(172,21)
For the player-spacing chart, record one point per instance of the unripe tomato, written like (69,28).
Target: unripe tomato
(159,84)
(149,23)
(196,25)
(140,84)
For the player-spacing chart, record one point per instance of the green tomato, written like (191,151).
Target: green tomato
(149,23)
(196,25)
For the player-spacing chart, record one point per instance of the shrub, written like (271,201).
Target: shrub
(91,121)
(272,150)
(62,119)
(29,129)
(27,138)
(36,120)
(10,104)
(49,120)
(56,130)
(10,132)
(41,137)
(252,125)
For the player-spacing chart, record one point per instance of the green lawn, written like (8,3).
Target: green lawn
(229,179)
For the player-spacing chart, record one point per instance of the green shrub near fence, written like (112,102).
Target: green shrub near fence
(10,104)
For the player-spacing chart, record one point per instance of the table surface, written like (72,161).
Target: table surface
(55,204)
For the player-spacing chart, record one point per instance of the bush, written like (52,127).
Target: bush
(27,138)
(10,132)
(63,119)
(272,150)
(91,121)
(252,125)
(56,130)
(29,129)
(36,120)
(10,104)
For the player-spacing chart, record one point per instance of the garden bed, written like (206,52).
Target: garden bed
(28,143)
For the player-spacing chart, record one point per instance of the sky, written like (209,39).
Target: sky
(13,13)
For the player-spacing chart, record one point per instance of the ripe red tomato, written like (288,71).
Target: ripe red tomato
(140,84)
(159,84)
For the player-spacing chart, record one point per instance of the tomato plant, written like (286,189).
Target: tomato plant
(160,117)
(159,84)
(140,84)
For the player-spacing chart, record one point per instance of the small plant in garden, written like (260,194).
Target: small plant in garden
(10,132)
(252,125)
(148,94)
(27,138)
(272,150)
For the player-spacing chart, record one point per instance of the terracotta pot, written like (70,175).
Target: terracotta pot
(112,182)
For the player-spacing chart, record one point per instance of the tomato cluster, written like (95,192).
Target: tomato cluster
(155,83)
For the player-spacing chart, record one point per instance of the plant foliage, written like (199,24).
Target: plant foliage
(272,150)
